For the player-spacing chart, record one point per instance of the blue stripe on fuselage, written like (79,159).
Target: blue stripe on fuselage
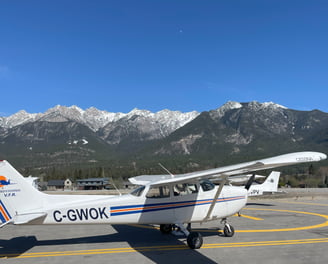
(142,208)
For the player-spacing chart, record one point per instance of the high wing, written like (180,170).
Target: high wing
(223,173)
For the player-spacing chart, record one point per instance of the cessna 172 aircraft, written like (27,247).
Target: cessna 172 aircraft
(172,201)
(270,185)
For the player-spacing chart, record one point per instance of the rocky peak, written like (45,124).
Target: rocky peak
(226,107)
(96,119)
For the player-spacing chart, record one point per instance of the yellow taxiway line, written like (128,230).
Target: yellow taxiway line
(183,247)
(163,248)
(316,204)
(324,224)
(249,217)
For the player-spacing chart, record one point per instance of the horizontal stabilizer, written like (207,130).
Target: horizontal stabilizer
(27,218)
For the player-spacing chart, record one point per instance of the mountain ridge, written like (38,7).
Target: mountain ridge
(233,132)
(92,117)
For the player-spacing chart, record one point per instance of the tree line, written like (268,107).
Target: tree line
(306,176)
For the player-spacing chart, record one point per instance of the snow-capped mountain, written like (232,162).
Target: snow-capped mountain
(64,135)
(240,128)
(96,119)
(256,106)
(17,119)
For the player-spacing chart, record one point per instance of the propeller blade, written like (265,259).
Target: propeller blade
(250,182)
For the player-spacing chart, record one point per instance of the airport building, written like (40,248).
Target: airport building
(54,185)
(93,184)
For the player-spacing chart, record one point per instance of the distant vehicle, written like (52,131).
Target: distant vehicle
(172,201)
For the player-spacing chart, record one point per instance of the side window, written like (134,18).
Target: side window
(159,192)
(207,185)
(184,189)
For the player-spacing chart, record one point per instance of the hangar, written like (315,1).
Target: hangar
(93,184)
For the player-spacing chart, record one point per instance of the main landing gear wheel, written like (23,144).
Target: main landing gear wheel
(195,240)
(166,228)
(228,230)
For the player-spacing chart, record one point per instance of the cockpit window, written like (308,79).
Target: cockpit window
(159,192)
(207,185)
(184,189)
(138,191)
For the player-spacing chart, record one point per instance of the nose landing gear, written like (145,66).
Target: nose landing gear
(228,229)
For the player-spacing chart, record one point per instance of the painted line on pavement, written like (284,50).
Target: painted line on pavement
(163,248)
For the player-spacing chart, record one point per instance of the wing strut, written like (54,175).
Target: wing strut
(216,196)
(172,175)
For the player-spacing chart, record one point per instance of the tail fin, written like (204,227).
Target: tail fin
(269,185)
(17,197)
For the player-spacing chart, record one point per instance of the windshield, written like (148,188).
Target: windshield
(207,185)
(138,191)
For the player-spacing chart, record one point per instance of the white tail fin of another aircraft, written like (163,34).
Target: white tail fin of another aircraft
(269,185)
(17,198)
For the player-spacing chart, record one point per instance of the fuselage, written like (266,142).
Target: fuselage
(180,203)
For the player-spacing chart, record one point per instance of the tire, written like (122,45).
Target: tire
(228,233)
(195,240)
(166,228)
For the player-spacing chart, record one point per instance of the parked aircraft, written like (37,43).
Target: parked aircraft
(270,185)
(172,201)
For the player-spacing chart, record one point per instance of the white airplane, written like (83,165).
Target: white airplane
(172,201)
(270,185)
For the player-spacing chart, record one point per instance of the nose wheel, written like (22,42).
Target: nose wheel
(228,229)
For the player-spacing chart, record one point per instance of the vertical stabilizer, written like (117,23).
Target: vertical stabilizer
(269,185)
(16,195)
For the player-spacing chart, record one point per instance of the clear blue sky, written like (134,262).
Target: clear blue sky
(181,54)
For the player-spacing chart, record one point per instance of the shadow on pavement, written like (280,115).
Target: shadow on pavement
(149,242)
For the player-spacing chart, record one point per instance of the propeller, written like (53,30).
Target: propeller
(250,182)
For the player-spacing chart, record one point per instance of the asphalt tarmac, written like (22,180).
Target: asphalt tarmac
(269,231)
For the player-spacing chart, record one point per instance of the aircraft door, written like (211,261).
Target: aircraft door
(158,208)
(185,199)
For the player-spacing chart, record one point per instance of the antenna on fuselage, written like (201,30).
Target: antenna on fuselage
(172,175)
(111,181)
